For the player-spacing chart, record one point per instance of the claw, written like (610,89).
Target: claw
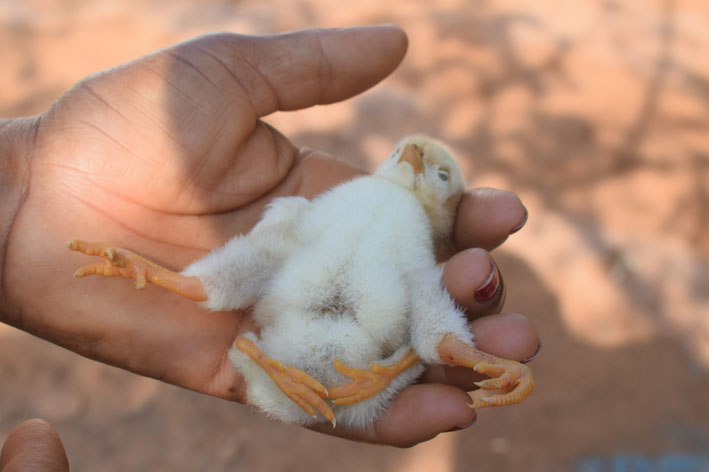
(495,384)
(367,383)
(511,381)
(301,388)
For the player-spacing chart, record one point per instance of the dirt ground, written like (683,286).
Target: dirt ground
(595,112)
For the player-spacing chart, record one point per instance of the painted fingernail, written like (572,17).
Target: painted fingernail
(524,221)
(490,288)
(533,356)
(462,426)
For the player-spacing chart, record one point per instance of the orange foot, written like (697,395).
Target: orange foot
(366,383)
(511,381)
(123,263)
(304,390)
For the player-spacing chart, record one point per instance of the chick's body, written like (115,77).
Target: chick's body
(351,276)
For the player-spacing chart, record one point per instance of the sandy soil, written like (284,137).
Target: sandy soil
(595,113)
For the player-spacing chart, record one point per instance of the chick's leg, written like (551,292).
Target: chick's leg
(510,382)
(122,263)
(300,387)
(366,383)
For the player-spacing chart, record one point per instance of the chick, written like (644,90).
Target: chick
(346,290)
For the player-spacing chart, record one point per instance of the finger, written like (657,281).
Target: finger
(417,414)
(34,445)
(305,68)
(507,335)
(500,211)
(475,283)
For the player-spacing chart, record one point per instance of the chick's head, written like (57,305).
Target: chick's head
(426,167)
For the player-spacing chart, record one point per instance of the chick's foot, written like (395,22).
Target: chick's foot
(300,387)
(366,383)
(123,263)
(510,382)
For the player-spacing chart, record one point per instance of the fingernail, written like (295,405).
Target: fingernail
(489,289)
(524,221)
(462,426)
(533,356)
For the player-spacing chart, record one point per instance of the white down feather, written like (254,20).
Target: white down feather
(351,275)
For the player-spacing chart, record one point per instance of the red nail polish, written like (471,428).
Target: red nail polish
(490,288)
(524,221)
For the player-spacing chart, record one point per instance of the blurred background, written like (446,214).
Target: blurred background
(595,112)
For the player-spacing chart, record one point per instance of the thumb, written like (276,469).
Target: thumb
(297,70)
(33,445)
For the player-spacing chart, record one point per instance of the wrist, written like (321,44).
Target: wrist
(17,138)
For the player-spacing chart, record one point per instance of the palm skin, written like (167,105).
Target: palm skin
(167,156)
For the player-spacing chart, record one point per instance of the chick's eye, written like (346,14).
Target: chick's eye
(443,175)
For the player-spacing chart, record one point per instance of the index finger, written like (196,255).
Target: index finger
(486,217)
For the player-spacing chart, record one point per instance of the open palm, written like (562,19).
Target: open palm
(167,156)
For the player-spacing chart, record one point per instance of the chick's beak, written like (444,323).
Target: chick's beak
(412,155)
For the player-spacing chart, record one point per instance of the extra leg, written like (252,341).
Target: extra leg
(300,387)
(511,381)
(366,383)
(122,263)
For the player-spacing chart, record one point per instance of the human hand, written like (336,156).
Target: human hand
(33,445)
(167,156)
